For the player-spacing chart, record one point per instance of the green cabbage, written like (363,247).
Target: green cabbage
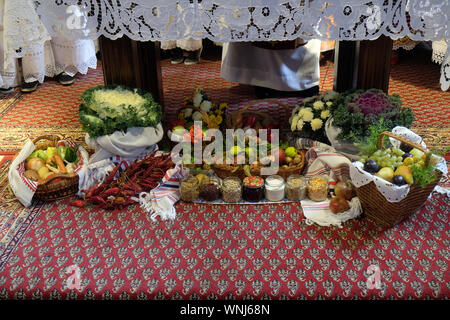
(100,117)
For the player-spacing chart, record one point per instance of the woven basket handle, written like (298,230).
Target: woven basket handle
(254,102)
(52,138)
(399,138)
(204,114)
(236,115)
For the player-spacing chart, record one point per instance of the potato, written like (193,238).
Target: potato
(31,174)
(297,159)
(34,164)
(288,159)
(42,172)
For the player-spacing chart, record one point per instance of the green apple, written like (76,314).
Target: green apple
(290,152)
(416,153)
(235,150)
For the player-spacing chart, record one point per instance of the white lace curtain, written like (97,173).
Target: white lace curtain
(251,20)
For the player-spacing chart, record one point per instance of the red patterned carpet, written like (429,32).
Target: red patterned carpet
(261,251)
(213,251)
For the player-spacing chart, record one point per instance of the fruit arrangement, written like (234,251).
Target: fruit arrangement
(344,192)
(394,164)
(42,165)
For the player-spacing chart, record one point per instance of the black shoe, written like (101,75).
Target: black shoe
(6,90)
(193,57)
(266,93)
(65,79)
(177,56)
(28,87)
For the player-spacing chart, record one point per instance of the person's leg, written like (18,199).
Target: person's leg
(37,64)
(193,48)
(72,57)
(176,54)
(9,77)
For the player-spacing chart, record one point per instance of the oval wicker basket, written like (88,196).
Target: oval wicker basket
(234,121)
(284,172)
(387,214)
(227,170)
(59,186)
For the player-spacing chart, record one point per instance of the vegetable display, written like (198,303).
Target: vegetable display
(42,165)
(106,109)
(354,111)
(140,176)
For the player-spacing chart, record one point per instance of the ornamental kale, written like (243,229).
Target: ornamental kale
(106,109)
(355,111)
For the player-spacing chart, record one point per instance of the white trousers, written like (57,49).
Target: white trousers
(285,70)
(57,56)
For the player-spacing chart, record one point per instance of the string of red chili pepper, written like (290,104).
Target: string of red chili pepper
(140,176)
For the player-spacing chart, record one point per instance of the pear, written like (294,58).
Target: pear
(386,173)
(406,173)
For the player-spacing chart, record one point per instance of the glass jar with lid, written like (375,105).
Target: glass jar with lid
(318,188)
(210,190)
(189,189)
(296,187)
(231,189)
(253,189)
(274,188)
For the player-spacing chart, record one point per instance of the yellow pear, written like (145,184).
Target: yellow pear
(406,173)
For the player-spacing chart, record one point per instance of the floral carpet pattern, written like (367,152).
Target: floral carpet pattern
(226,251)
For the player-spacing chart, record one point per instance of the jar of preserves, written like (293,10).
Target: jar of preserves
(318,188)
(231,189)
(210,190)
(296,187)
(274,187)
(189,189)
(253,189)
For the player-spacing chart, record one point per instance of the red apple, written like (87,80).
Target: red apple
(279,155)
(344,189)
(339,204)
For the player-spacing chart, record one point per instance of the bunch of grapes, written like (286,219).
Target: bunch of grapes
(391,157)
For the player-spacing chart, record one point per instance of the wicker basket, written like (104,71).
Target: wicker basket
(387,214)
(59,186)
(227,170)
(284,172)
(234,120)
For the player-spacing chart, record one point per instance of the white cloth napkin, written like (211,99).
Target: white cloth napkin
(161,200)
(131,144)
(320,213)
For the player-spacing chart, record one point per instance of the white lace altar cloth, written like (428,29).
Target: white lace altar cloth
(252,20)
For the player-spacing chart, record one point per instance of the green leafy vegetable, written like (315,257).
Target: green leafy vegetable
(106,109)
(67,154)
(369,144)
(424,175)
(355,111)
(38,154)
